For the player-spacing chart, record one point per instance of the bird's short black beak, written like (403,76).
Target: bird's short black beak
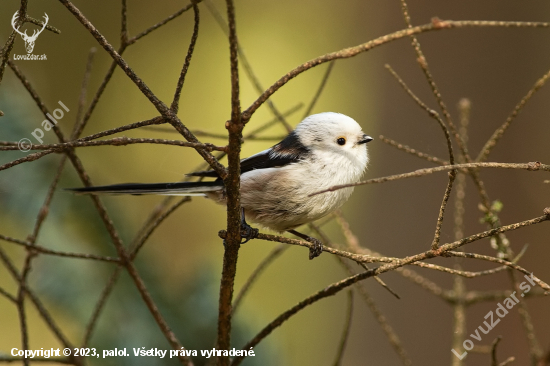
(365,139)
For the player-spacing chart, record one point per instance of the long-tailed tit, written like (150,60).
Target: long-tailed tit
(324,150)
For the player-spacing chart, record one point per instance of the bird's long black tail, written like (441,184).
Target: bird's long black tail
(167,189)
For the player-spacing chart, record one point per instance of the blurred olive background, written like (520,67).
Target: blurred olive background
(181,264)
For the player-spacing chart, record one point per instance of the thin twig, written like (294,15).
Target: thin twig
(49,27)
(345,333)
(494,361)
(500,261)
(7,295)
(90,327)
(247,67)
(79,121)
(43,250)
(435,90)
(38,304)
(534,166)
(519,107)
(8,46)
(187,62)
(117,141)
(380,318)
(252,135)
(475,297)
(159,105)
(142,239)
(319,89)
(433,114)
(327,291)
(440,217)
(326,240)
(509,360)
(459,285)
(135,246)
(430,111)
(409,150)
(124,23)
(271,257)
(161,23)
(436,24)
(78,130)
(535,350)
(426,284)
(30,157)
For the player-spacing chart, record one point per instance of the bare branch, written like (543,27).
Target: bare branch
(185,68)
(7,295)
(435,90)
(433,114)
(409,150)
(319,90)
(327,291)
(271,257)
(345,333)
(247,67)
(430,112)
(534,166)
(512,265)
(159,105)
(43,250)
(43,312)
(381,319)
(82,100)
(494,361)
(162,22)
(232,240)
(124,23)
(117,141)
(8,46)
(49,27)
(519,107)
(90,327)
(436,24)
(142,239)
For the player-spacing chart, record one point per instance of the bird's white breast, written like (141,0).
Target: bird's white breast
(279,198)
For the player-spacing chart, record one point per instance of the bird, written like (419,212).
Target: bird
(276,187)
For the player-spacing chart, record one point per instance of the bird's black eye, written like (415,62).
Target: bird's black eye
(341,141)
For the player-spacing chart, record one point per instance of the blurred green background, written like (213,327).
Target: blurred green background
(181,263)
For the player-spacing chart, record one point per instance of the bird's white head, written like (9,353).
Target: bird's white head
(335,133)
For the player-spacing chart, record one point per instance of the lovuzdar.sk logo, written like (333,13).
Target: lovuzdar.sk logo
(29,40)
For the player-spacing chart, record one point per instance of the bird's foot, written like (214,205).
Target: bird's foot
(248,232)
(317,248)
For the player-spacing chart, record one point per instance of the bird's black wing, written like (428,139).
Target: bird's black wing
(288,151)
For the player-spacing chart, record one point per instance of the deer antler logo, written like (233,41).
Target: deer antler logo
(29,41)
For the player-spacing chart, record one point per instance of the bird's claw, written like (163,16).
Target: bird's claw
(248,232)
(317,248)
